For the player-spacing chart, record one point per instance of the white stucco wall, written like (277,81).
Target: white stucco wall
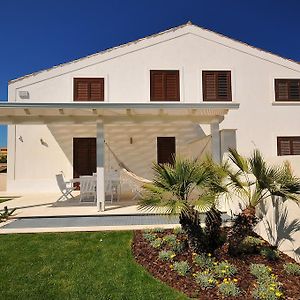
(127,79)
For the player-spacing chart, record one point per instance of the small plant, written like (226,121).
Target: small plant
(269,253)
(170,239)
(205,279)
(181,267)
(224,269)
(251,244)
(157,243)
(292,269)
(158,230)
(166,255)
(229,288)
(177,230)
(6,214)
(270,289)
(203,261)
(149,236)
(178,247)
(260,271)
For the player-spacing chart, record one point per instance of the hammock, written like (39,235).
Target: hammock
(129,178)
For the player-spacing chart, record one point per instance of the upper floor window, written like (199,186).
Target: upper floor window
(88,89)
(287,89)
(164,85)
(288,145)
(216,85)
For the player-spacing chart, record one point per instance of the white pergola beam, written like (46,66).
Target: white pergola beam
(69,119)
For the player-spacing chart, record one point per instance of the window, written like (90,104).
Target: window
(164,85)
(166,148)
(216,85)
(288,145)
(88,89)
(287,89)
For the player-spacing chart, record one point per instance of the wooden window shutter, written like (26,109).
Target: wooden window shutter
(216,85)
(166,149)
(288,145)
(164,85)
(88,89)
(287,89)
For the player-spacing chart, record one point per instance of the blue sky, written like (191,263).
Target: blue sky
(37,34)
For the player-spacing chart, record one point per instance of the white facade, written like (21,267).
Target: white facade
(32,165)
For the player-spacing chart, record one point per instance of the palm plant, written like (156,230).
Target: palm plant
(185,188)
(252,181)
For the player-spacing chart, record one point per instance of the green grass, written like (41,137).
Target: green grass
(4,199)
(75,266)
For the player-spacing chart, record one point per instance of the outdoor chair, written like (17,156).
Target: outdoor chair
(88,189)
(65,187)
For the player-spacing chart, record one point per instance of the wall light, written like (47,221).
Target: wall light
(21,139)
(24,94)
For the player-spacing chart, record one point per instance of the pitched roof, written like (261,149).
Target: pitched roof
(173,29)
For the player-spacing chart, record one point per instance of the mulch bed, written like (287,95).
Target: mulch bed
(147,256)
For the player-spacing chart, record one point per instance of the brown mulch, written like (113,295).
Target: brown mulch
(147,256)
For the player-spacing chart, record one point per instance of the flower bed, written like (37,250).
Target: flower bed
(264,275)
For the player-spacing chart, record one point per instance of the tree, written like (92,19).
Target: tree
(186,188)
(252,181)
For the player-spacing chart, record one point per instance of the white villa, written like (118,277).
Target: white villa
(186,91)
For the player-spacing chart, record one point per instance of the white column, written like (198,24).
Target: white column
(215,142)
(100,167)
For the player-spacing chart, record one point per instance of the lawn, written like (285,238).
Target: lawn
(75,266)
(2,199)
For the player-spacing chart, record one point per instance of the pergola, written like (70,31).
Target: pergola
(102,113)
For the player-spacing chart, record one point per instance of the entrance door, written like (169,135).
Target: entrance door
(84,156)
(166,148)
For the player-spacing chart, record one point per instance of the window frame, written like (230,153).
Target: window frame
(229,87)
(88,79)
(288,80)
(152,99)
(290,139)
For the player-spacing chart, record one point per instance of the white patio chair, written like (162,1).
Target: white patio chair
(113,186)
(65,187)
(88,189)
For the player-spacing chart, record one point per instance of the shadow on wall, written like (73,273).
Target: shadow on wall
(279,227)
(135,145)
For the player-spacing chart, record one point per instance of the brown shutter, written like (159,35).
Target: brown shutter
(88,89)
(164,85)
(288,145)
(287,89)
(166,149)
(157,86)
(216,85)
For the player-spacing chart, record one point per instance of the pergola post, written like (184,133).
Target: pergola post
(100,166)
(215,142)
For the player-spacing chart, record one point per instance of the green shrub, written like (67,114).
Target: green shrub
(177,230)
(157,243)
(181,267)
(205,279)
(269,289)
(149,236)
(158,230)
(178,247)
(260,271)
(170,239)
(224,269)
(251,244)
(229,288)
(203,261)
(292,269)
(166,255)
(269,253)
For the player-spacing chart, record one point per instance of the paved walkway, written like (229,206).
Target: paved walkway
(86,221)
